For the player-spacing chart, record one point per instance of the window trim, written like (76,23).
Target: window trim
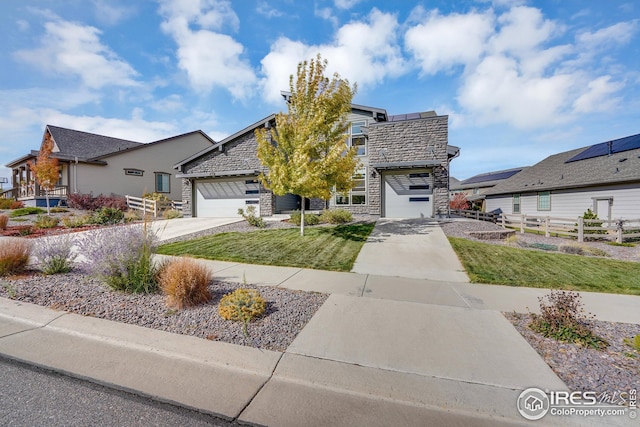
(547,195)
(361,175)
(358,135)
(168,175)
(514,204)
(136,172)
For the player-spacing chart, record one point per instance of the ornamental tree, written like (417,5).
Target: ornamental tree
(45,169)
(306,154)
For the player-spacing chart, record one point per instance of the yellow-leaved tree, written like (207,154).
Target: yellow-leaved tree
(45,169)
(306,154)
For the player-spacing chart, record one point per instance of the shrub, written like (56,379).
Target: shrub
(336,216)
(45,221)
(242,305)
(5,203)
(251,217)
(89,203)
(58,210)
(30,210)
(185,283)
(25,230)
(121,257)
(171,214)
(14,255)
(16,205)
(309,219)
(158,197)
(459,201)
(563,318)
(107,215)
(4,220)
(76,221)
(583,250)
(55,254)
(131,216)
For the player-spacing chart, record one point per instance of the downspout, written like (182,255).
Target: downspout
(449,182)
(75,176)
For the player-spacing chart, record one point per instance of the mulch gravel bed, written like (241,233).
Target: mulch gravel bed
(287,311)
(614,369)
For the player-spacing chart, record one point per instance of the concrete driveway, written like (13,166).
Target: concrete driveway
(169,229)
(411,248)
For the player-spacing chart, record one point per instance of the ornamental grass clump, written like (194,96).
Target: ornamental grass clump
(336,216)
(14,255)
(563,318)
(185,283)
(55,254)
(242,305)
(4,221)
(45,221)
(121,257)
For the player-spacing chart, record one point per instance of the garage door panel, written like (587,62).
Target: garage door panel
(408,194)
(223,198)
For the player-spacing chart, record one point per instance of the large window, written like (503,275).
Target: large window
(516,204)
(544,201)
(163,182)
(357,196)
(358,139)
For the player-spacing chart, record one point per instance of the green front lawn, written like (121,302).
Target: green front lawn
(501,265)
(323,248)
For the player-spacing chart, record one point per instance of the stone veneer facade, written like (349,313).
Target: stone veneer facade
(388,142)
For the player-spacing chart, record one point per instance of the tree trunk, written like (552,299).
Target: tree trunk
(46,196)
(302,217)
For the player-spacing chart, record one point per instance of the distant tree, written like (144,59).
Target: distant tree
(45,169)
(459,201)
(306,153)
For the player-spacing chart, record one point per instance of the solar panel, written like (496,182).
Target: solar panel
(491,177)
(610,147)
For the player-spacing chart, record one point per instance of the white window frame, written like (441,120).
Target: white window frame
(352,136)
(542,195)
(514,204)
(347,199)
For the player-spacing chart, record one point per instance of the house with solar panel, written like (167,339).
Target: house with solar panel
(404,170)
(476,187)
(604,177)
(97,164)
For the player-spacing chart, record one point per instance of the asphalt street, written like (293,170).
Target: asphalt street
(31,396)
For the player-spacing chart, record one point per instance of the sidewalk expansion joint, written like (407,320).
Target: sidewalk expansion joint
(461,297)
(364,287)
(259,388)
(288,278)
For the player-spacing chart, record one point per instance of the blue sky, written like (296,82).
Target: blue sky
(520,80)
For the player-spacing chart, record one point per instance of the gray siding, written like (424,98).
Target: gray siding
(573,203)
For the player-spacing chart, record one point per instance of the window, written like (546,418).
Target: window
(162,182)
(419,175)
(358,139)
(358,195)
(133,172)
(516,204)
(544,201)
(418,199)
(418,186)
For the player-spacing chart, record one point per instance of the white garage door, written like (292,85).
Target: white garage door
(408,194)
(223,197)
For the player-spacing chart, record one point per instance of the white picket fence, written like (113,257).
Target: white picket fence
(152,207)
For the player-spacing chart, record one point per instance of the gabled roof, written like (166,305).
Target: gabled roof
(487,179)
(160,141)
(85,145)
(228,139)
(561,171)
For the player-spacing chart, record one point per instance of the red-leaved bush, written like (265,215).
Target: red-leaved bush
(459,201)
(87,202)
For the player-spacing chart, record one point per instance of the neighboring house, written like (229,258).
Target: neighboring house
(405,165)
(97,164)
(604,178)
(477,186)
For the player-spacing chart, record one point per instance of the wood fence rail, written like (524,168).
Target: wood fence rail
(153,207)
(618,230)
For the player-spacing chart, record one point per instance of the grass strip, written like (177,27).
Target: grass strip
(323,248)
(501,265)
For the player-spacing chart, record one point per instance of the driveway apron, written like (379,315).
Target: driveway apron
(411,248)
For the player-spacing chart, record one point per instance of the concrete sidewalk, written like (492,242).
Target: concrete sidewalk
(382,350)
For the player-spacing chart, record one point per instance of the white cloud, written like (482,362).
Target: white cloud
(438,43)
(72,49)
(598,96)
(346,4)
(619,33)
(210,59)
(364,52)
(110,14)
(23,25)
(265,9)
